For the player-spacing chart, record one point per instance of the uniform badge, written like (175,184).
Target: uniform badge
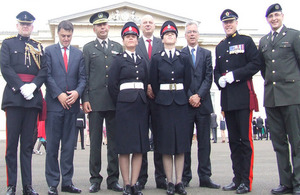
(236,49)
(177,53)
(100,15)
(130,28)
(227,13)
(276,7)
(169,26)
(114,52)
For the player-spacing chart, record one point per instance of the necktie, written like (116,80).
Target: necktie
(66,59)
(170,56)
(104,45)
(149,48)
(274,36)
(193,56)
(132,55)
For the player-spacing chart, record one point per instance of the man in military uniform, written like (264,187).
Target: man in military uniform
(24,68)
(237,60)
(98,55)
(280,52)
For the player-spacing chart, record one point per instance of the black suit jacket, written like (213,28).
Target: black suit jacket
(201,78)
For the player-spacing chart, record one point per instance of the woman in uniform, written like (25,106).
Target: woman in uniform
(170,77)
(127,85)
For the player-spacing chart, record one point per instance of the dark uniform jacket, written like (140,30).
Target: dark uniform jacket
(97,65)
(13,63)
(281,68)
(239,54)
(163,71)
(124,70)
(201,78)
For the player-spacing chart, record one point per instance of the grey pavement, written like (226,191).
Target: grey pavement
(265,171)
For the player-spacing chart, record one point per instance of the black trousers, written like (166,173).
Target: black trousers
(20,124)
(203,143)
(60,133)
(241,145)
(81,131)
(96,133)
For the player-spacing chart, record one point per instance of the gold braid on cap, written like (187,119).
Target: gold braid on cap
(35,53)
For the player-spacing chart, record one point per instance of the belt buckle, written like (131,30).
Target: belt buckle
(173,86)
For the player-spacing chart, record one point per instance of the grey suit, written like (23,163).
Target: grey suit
(280,69)
(60,122)
(98,62)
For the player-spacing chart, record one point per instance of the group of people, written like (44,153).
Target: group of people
(260,128)
(150,85)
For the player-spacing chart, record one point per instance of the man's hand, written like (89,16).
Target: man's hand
(62,98)
(195,100)
(150,92)
(87,107)
(72,97)
(222,81)
(229,77)
(27,90)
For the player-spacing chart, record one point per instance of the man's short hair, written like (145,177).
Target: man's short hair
(66,25)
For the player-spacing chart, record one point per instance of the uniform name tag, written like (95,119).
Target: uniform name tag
(236,49)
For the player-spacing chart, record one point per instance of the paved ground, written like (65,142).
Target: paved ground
(265,171)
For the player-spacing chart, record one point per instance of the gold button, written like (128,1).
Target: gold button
(274,83)
(273,71)
(172,79)
(273,61)
(106,66)
(106,76)
(137,78)
(172,72)
(273,50)
(226,60)
(136,66)
(137,71)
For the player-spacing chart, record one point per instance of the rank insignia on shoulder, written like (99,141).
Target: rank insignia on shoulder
(125,55)
(114,52)
(11,37)
(177,53)
(236,49)
(36,41)
(163,53)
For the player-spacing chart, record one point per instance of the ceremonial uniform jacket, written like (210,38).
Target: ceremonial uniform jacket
(239,54)
(281,68)
(97,65)
(15,59)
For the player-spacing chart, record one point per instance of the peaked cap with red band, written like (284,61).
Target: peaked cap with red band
(130,28)
(168,26)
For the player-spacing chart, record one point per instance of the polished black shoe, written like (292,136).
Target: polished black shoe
(242,189)
(127,190)
(95,187)
(281,189)
(136,190)
(170,188)
(186,184)
(115,187)
(11,190)
(52,191)
(208,183)
(140,185)
(162,185)
(230,187)
(179,189)
(27,190)
(71,188)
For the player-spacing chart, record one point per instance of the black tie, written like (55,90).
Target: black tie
(170,56)
(274,36)
(104,45)
(132,54)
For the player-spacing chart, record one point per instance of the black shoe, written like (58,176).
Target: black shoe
(281,189)
(161,185)
(141,185)
(71,188)
(230,187)
(115,187)
(136,190)
(186,184)
(170,189)
(52,191)
(27,190)
(242,189)
(83,148)
(11,190)
(179,189)
(208,183)
(127,190)
(95,187)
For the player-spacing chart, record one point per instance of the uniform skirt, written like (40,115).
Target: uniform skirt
(132,127)
(172,136)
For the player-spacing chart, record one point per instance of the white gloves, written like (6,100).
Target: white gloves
(222,81)
(229,77)
(27,90)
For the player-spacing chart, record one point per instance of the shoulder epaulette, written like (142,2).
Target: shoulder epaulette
(36,41)
(11,37)
(245,35)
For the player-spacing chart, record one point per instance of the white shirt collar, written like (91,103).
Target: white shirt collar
(278,30)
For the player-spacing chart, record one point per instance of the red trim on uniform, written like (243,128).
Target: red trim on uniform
(252,156)
(131,30)
(168,27)
(7,182)
(26,77)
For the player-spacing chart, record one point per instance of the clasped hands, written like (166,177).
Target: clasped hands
(194,100)
(68,98)
(228,78)
(27,90)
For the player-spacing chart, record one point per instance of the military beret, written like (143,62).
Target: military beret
(98,18)
(168,26)
(228,14)
(130,28)
(25,17)
(273,8)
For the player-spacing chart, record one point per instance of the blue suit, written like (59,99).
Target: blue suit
(60,122)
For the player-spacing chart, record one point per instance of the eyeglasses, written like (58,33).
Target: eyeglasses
(192,31)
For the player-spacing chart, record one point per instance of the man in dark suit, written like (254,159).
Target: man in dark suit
(280,52)
(65,83)
(260,125)
(200,106)
(80,126)
(147,46)
(24,72)
(237,60)
(98,55)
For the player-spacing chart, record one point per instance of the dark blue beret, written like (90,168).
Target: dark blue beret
(273,8)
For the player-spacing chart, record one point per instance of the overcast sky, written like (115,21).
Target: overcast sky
(251,12)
